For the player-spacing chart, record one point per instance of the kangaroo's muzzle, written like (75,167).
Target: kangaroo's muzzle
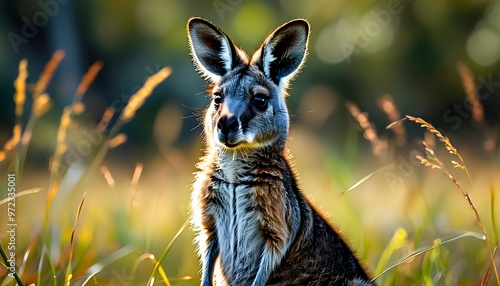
(228,129)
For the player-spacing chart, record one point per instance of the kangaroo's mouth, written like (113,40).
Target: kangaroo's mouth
(231,146)
(238,140)
(230,140)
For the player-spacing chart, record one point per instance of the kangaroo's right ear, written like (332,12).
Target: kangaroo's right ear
(213,52)
(284,51)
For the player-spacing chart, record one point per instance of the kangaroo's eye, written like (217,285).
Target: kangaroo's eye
(260,101)
(218,97)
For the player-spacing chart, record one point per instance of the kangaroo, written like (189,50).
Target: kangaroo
(254,226)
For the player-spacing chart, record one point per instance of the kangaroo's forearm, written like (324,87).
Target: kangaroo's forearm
(209,258)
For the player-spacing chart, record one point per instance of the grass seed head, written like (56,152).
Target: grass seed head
(20,86)
(470,92)
(137,99)
(42,104)
(12,143)
(47,73)
(88,78)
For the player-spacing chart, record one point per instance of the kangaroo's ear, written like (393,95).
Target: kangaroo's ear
(213,52)
(283,52)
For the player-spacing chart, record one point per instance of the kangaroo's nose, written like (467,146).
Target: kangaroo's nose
(228,123)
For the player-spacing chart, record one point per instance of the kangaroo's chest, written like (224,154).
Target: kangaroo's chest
(238,227)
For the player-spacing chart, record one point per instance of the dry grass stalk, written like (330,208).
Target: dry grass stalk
(78,108)
(69,274)
(137,174)
(47,73)
(430,139)
(434,162)
(61,146)
(13,142)
(436,132)
(476,107)
(379,146)
(117,140)
(489,144)
(470,91)
(135,180)
(41,105)
(20,86)
(107,175)
(87,80)
(105,119)
(431,160)
(138,98)
(386,104)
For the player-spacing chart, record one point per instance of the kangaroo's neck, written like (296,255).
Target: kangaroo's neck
(239,167)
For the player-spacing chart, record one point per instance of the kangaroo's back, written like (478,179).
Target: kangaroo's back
(254,226)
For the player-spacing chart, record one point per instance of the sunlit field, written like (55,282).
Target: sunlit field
(418,210)
(395,136)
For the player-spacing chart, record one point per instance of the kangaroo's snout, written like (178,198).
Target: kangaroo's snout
(227,124)
(227,128)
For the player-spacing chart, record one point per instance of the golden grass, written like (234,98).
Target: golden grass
(42,104)
(87,79)
(48,73)
(15,148)
(470,91)
(434,162)
(13,142)
(20,86)
(379,146)
(122,224)
(433,258)
(446,141)
(387,105)
(138,98)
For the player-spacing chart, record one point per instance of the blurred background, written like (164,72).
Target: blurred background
(369,54)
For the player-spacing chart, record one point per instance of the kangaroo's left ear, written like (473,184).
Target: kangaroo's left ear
(212,50)
(284,51)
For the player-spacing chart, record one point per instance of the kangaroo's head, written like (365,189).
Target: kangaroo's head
(248,107)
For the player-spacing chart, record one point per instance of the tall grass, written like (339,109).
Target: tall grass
(94,221)
(50,258)
(432,260)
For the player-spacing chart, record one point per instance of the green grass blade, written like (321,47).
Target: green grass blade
(4,257)
(493,216)
(69,275)
(365,178)
(425,249)
(98,267)
(158,267)
(397,241)
(46,255)
(23,193)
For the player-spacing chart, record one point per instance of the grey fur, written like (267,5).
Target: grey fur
(253,224)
